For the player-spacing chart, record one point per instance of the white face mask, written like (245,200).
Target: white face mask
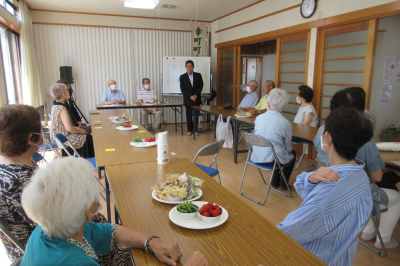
(147,86)
(322,143)
(39,145)
(248,89)
(297,100)
(99,209)
(113,87)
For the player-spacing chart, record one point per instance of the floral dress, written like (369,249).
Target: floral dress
(13,179)
(57,126)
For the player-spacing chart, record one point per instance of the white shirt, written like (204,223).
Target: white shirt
(191,78)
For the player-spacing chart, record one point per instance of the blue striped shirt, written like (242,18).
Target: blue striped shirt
(331,214)
(250,100)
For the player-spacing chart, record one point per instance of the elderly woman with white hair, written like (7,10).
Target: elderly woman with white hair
(62,199)
(61,123)
(278,130)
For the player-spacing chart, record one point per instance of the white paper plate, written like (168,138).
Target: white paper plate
(148,104)
(199,191)
(127,128)
(243,116)
(196,223)
(119,122)
(143,144)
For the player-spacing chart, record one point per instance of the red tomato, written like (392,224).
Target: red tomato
(215,213)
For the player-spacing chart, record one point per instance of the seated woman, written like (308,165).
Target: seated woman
(383,198)
(335,206)
(62,198)
(277,129)
(72,111)
(61,123)
(20,138)
(306,115)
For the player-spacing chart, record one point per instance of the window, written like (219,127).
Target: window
(10,54)
(9,6)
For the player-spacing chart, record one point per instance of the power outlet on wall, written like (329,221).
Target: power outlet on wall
(319,14)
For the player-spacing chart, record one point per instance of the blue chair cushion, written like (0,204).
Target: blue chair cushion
(208,170)
(37,157)
(92,161)
(260,165)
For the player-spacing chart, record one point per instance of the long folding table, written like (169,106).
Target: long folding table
(174,106)
(246,238)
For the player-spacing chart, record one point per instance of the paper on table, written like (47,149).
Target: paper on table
(107,105)
(396,162)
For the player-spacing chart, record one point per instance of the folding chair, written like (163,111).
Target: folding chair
(304,151)
(38,158)
(210,149)
(47,145)
(7,232)
(256,140)
(384,254)
(61,139)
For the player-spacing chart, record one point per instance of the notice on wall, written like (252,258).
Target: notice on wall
(386,93)
(389,71)
(397,78)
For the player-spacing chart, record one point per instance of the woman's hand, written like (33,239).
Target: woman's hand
(165,252)
(323,174)
(82,131)
(197,259)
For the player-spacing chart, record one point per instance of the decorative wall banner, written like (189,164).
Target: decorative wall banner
(199,39)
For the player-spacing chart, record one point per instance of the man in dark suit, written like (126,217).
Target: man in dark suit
(191,87)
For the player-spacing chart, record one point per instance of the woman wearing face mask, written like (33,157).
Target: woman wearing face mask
(306,115)
(61,123)
(62,199)
(20,137)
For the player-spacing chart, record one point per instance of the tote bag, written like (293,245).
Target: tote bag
(224,131)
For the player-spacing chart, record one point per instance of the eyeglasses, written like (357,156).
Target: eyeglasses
(41,134)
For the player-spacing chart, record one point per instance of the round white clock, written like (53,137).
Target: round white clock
(307,8)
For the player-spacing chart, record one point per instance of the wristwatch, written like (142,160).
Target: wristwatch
(146,244)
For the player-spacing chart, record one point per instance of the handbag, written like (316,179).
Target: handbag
(224,131)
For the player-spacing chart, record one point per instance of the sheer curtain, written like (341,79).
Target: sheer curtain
(33,93)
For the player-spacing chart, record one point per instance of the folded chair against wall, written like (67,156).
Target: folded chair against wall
(61,139)
(210,149)
(256,140)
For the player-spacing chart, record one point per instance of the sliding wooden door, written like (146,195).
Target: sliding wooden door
(291,67)
(225,76)
(344,59)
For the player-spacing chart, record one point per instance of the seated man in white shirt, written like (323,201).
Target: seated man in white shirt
(147,95)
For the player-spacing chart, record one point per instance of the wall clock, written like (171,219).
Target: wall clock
(307,8)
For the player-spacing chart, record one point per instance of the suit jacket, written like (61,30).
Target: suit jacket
(188,90)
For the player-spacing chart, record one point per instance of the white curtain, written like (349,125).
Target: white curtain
(32,93)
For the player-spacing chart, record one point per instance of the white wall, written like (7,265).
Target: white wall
(109,21)
(387,45)
(99,54)
(268,69)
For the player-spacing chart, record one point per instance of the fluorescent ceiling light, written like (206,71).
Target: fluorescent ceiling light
(144,4)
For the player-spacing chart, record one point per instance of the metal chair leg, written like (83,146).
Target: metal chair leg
(301,157)
(384,254)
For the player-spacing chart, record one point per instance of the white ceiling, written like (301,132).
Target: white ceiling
(207,10)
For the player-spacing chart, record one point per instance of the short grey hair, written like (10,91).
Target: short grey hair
(277,99)
(57,90)
(254,83)
(270,83)
(58,196)
(145,79)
